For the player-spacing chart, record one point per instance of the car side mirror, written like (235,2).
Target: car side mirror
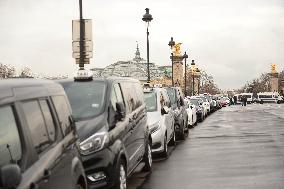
(165,110)
(120,111)
(10,176)
(181,102)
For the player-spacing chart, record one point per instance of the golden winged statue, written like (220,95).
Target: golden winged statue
(273,68)
(176,49)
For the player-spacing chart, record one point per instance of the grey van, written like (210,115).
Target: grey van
(111,121)
(37,139)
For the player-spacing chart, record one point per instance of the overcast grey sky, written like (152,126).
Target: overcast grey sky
(234,40)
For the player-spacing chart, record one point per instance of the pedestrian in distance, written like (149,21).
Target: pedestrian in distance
(244,100)
(235,100)
(231,101)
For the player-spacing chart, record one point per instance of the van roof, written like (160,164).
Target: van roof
(18,89)
(106,79)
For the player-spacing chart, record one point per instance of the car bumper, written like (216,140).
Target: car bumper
(199,115)
(102,163)
(158,141)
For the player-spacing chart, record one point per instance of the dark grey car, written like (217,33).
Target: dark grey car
(177,103)
(37,139)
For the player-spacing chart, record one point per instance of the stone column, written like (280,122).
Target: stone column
(178,71)
(274,82)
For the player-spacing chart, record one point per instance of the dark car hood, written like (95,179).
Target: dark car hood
(86,128)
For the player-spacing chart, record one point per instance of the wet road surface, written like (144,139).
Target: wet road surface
(236,147)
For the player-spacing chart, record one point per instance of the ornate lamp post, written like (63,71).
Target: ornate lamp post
(185,56)
(192,72)
(147,17)
(197,73)
(171,44)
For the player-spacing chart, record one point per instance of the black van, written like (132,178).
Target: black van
(37,138)
(181,120)
(111,121)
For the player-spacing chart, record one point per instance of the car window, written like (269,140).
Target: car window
(63,113)
(127,90)
(36,125)
(138,94)
(10,143)
(151,101)
(49,122)
(172,94)
(116,96)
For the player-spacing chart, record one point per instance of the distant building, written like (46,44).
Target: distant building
(135,68)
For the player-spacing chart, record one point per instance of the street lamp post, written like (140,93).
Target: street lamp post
(192,71)
(185,56)
(82,34)
(197,72)
(147,17)
(171,44)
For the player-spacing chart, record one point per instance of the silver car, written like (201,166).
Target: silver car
(160,119)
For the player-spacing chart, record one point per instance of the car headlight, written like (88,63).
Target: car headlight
(155,127)
(94,143)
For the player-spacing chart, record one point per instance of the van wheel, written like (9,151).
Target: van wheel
(165,152)
(147,159)
(121,176)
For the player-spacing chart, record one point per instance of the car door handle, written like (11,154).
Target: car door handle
(46,174)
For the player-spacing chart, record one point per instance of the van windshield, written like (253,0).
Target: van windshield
(86,98)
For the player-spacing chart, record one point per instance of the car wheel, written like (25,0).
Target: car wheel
(173,139)
(148,159)
(165,152)
(121,178)
(182,134)
(79,186)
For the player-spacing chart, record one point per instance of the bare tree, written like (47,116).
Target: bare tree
(26,73)
(7,71)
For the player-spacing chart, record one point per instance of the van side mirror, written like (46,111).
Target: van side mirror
(120,111)
(10,176)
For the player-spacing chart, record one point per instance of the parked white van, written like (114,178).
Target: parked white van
(268,97)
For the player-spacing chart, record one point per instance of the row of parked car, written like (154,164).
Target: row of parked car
(88,133)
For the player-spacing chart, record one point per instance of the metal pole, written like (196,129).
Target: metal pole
(198,89)
(82,34)
(185,93)
(172,57)
(148,68)
(193,92)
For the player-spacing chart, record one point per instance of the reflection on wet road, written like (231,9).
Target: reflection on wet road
(236,147)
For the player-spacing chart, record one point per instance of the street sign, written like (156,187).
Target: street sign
(85,60)
(76,30)
(87,46)
(85,55)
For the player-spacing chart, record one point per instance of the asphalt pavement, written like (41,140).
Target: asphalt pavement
(235,147)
